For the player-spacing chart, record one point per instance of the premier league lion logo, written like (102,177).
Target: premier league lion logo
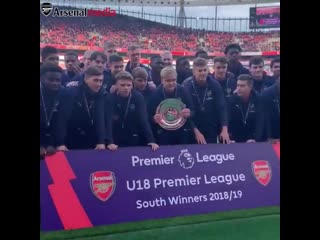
(185,159)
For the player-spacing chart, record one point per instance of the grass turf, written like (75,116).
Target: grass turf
(255,228)
(255,224)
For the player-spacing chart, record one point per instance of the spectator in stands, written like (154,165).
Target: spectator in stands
(109,49)
(72,67)
(50,54)
(81,122)
(167,58)
(140,83)
(260,79)
(156,66)
(183,69)
(134,55)
(51,94)
(226,79)
(271,102)
(232,53)
(275,67)
(209,104)
(130,123)
(170,89)
(125,30)
(246,117)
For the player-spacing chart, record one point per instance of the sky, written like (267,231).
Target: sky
(225,12)
(231,11)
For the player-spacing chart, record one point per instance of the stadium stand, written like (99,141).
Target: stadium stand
(150,35)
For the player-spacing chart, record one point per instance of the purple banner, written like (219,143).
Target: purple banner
(89,188)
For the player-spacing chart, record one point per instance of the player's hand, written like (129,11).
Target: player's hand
(43,152)
(153,146)
(199,137)
(186,112)
(273,141)
(51,150)
(152,85)
(100,147)
(112,147)
(113,88)
(62,148)
(157,118)
(224,137)
(77,69)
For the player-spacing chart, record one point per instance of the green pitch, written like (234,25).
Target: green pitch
(253,224)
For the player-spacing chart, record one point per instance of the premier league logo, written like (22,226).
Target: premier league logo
(103,184)
(46,9)
(262,171)
(170,109)
(185,159)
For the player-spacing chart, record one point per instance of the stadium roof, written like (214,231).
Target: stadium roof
(160,3)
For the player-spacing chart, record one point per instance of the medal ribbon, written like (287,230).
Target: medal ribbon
(198,98)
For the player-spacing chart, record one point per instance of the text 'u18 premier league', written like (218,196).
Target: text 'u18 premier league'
(156,183)
(186,180)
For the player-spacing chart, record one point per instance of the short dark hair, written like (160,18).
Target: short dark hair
(109,45)
(247,78)
(92,71)
(71,53)
(115,58)
(180,59)
(49,67)
(123,75)
(140,72)
(231,46)
(47,50)
(222,60)
(155,57)
(97,54)
(201,52)
(275,60)
(200,62)
(256,61)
